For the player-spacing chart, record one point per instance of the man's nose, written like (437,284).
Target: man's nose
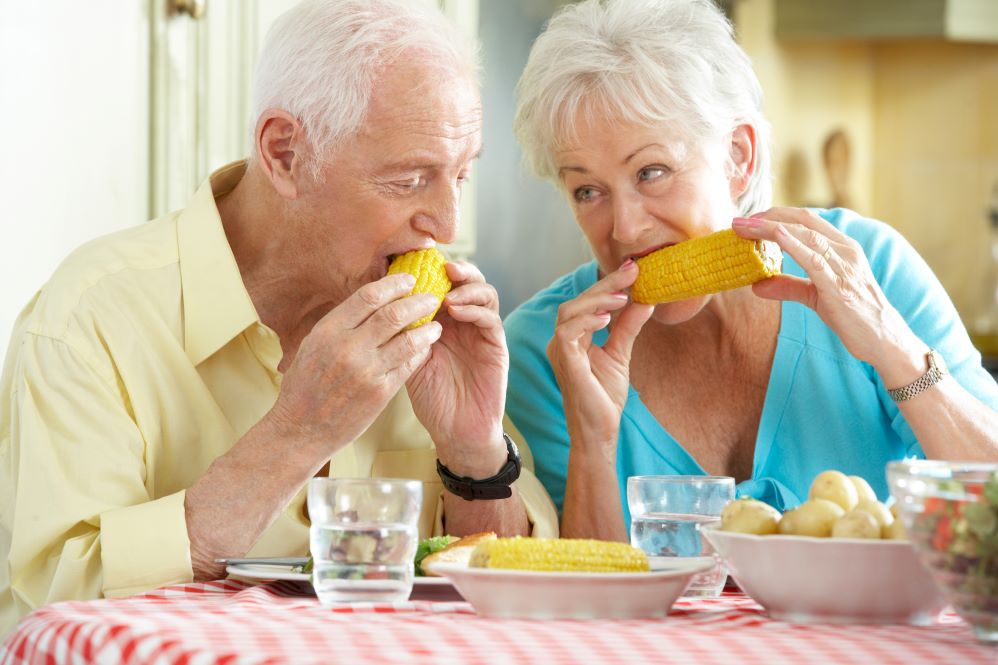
(440,216)
(630,219)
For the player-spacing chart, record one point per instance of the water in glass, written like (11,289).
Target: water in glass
(363,562)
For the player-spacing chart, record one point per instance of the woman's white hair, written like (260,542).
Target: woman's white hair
(650,62)
(320,60)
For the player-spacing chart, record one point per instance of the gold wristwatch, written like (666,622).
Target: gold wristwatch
(937,370)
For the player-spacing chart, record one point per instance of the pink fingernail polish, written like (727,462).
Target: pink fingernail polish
(746,223)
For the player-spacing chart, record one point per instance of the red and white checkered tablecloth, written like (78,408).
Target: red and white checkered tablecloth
(229,622)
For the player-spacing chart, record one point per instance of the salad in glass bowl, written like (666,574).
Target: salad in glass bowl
(950,511)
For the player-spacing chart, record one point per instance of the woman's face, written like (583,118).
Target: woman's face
(635,189)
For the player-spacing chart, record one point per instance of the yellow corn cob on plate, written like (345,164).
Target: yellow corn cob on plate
(717,262)
(427,266)
(565,554)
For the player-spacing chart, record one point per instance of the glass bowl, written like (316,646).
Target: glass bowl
(950,511)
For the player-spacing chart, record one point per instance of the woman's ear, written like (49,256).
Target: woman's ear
(741,158)
(279,146)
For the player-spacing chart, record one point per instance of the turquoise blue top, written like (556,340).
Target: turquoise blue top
(823,409)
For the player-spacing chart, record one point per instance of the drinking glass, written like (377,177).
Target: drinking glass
(363,538)
(667,513)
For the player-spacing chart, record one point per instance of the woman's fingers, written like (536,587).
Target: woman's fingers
(806,218)
(606,295)
(788,287)
(626,329)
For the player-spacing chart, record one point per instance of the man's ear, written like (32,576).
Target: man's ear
(280,145)
(741,158)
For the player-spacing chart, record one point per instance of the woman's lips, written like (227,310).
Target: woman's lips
(646,252)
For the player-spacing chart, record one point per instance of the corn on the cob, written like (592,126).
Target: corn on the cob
(427,266)
(567,554)
(696,267)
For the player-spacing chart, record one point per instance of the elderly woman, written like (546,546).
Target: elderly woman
(648,116)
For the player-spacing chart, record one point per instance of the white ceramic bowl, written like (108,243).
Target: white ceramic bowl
(548,595)
(830,580)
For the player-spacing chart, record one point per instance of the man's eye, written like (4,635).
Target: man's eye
(414,182)
(651,173)
(584,194)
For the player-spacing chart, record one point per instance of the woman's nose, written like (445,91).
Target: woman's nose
(630,219)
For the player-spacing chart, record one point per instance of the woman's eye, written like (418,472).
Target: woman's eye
(651,173)
(584,194)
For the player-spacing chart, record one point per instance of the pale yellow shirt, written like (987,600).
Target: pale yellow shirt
(141,361)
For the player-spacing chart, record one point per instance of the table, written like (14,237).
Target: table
(229,622)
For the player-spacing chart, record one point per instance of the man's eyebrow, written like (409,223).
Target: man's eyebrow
(423,162)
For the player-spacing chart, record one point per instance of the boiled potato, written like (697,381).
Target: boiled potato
(814,517)
(750,516)
(879,511)
(856,524)
(836,487)
(863,489)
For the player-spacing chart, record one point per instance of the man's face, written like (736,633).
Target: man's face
(396,185)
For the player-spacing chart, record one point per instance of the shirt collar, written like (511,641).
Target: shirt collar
(216,305)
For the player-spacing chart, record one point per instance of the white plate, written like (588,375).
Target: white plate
(549,595)
(430,588)
(830,580)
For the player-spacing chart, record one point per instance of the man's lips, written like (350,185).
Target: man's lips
(646,252)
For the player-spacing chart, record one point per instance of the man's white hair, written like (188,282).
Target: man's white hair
(321,58)
(650,62)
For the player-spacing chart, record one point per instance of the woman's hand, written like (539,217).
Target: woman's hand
(841,288)
(593,380)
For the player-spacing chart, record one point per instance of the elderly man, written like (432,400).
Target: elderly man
(173,387)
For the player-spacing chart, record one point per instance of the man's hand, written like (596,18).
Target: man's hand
(460,392)
(354,361)
(346,370)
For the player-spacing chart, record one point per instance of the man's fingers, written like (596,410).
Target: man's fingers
(388,321)
(370,298)
(473,293)
(409,344)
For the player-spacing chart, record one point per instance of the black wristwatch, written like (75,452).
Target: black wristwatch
(495,487)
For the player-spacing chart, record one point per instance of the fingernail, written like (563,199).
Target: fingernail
(408,280)
(620,296)
(758,215)
(746,223)
(627,264)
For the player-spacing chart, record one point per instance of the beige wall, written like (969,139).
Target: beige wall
(923,121)
(936,147)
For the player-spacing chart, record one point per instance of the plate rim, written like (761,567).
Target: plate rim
(261,571)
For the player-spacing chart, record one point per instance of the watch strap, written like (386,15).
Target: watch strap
(494,487)
(932,376)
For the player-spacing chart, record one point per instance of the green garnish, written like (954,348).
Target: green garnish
(423,550)
(428,547)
